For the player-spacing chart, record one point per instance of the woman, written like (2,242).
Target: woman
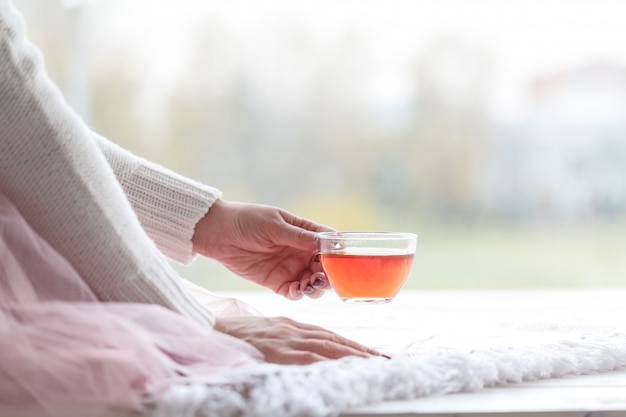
(110,218)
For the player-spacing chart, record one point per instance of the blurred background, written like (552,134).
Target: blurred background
(496,130)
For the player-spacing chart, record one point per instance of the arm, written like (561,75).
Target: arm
(60,181)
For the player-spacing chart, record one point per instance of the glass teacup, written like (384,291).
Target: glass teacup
(366,267)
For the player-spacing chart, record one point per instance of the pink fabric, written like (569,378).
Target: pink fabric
(63,351)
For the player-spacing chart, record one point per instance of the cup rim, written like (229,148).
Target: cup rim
(381,235)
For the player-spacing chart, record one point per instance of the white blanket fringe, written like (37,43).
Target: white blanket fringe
(326,389)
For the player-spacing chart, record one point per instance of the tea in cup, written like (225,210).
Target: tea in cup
(366,267)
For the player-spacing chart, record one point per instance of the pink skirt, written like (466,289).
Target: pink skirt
(62,351)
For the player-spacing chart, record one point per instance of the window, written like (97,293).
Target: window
(496,130)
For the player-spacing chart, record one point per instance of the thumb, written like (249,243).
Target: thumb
(296,237)
(299,232)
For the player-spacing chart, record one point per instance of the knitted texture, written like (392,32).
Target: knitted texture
(168,205)
(60,181)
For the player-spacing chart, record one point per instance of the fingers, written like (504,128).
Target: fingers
(319,282)
(309,343)
(324,344)
(293,291)
(333,347)
(332,341)
(314,285)
(311,283)
(307,352)
(285,341)
(302,223)
(296,237)
(326,349)
(299,232)
(314,263)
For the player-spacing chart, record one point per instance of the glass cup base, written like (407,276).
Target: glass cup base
(366,300)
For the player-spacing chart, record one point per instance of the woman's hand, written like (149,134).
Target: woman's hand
(264,244)
(285,341)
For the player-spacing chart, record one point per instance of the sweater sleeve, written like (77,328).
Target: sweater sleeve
(59,179)
(168,205)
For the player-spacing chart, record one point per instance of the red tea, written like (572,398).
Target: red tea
(358,276)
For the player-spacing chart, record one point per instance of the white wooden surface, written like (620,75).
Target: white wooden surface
(424,316)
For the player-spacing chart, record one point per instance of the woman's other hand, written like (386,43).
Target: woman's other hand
(285,341)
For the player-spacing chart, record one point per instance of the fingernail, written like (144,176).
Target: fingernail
(319,283)
(309,290)
(385,356)
(316,258)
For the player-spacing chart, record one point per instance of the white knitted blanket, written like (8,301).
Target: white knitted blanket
(464,352)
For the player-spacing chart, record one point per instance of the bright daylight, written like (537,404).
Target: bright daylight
(493,130)
(182,180)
